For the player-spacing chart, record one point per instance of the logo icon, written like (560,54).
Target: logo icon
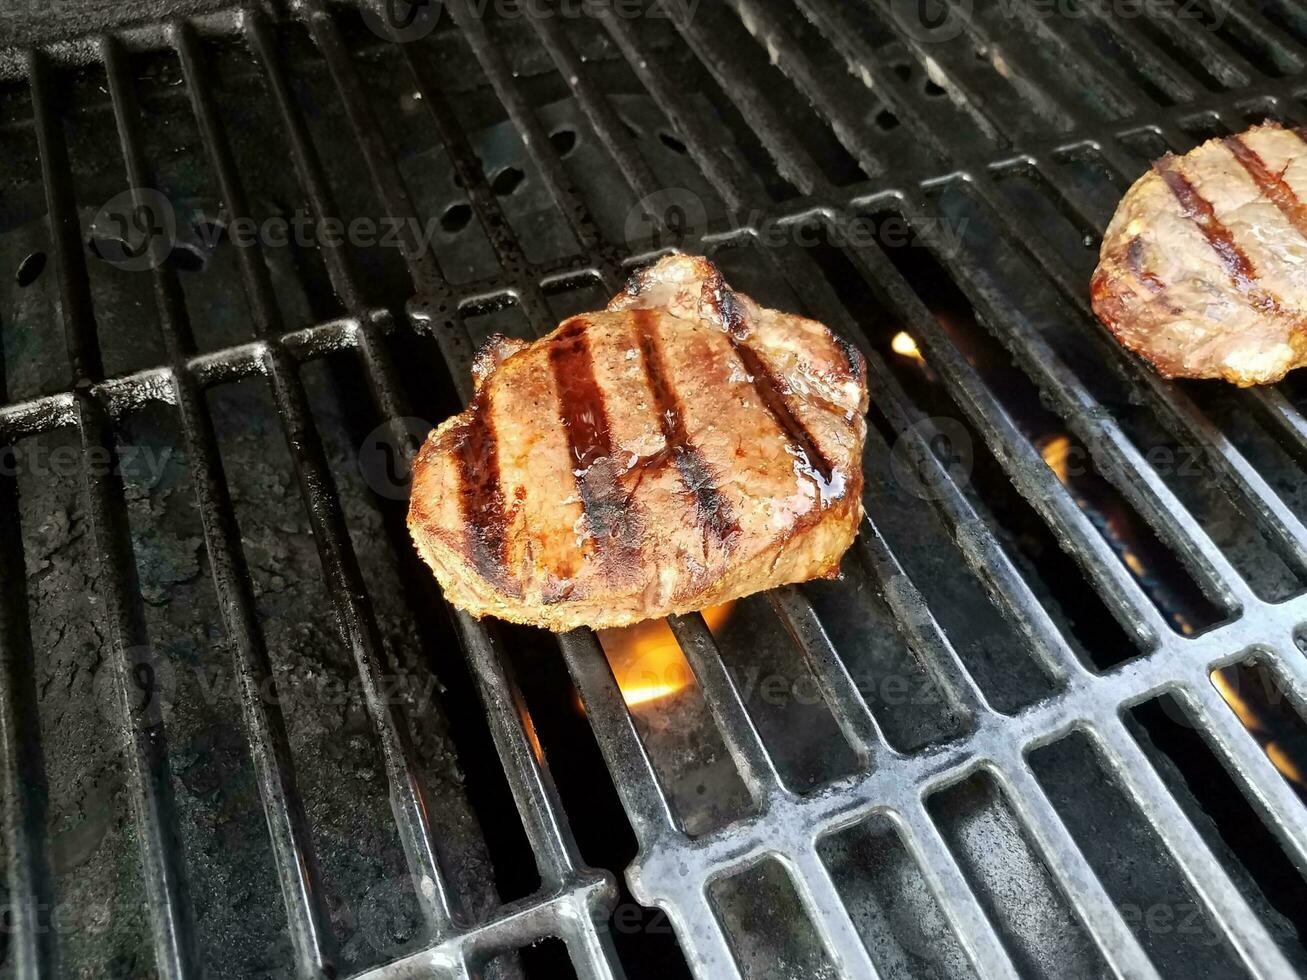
(384,454)
(932,21)
(151,689)
(950,443)
(666,217)
(401,21)
(135,230)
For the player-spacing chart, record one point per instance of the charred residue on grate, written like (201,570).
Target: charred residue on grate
(444,64)
(1023,900)
(238,910)
(768,926)
(90,839)
(180,171)
(898,916)
(1177,746)
(1145,884)
(34,361)
(128,336)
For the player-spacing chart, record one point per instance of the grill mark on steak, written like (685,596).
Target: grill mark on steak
(585,419)
(809,460)
(712,509)
(1272,185)
(481,496)
(1199,210)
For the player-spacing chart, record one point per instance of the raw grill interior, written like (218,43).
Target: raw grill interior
(1049,722)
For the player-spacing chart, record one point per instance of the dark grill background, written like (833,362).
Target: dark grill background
(1048,723)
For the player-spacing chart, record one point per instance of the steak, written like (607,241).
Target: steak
(1203,269)
(681,448)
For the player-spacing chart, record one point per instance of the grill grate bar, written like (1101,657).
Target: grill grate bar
(1020,66)
(727,706)
(793,161)
(144,743)
(840,113)
(1068,865)
(1230,66)
(1020,460)
(918,625)
(1179,84)
(1251,766)
(308,167)
(1245,931)
(1255,23)
(26,803)
(598,110)
(292,846)
(716,159)
(646,804)
(385,176)
(980,548)
(347,588)
(515,738)
(534,138)
(514,924)
(830,916)
(954,893)
(841,692)
(529,778)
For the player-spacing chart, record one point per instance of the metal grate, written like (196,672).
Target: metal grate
(925,122)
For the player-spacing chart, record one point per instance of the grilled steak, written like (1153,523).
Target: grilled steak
(1203,268)
(681,448)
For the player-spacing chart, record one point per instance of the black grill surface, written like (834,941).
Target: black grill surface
(1048,722)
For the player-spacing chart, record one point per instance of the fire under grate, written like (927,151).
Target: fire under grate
(1048,723)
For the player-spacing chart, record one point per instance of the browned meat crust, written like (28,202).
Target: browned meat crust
(681,448)
(1203,270)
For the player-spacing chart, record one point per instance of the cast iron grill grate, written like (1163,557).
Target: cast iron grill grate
(792,140)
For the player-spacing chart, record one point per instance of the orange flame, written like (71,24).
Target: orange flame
(1280,758)
(903,344)
(1056,452)
(646,659)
